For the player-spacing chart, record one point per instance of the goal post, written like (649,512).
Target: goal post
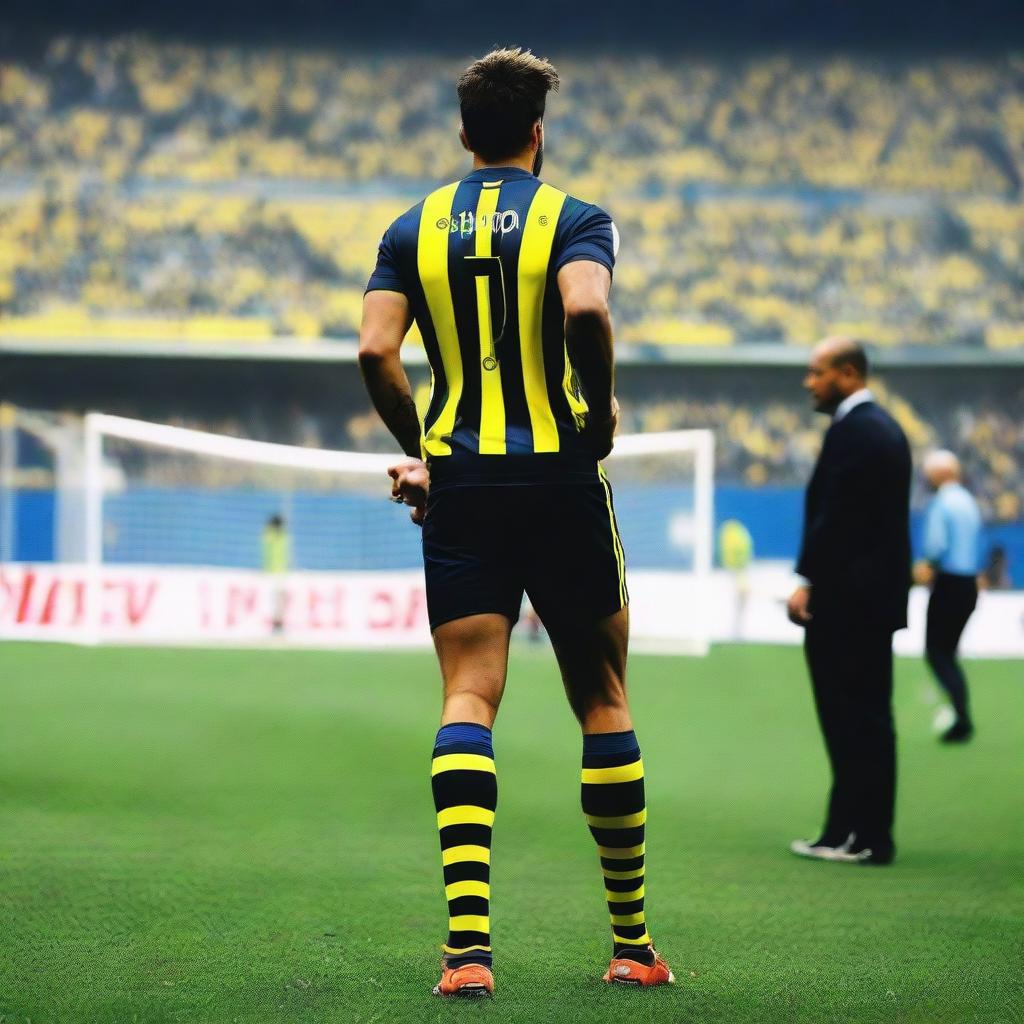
(174,519)
(664,495)
(698,445)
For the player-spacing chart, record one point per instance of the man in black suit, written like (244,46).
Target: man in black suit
(855,556)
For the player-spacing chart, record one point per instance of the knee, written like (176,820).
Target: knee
(609,696)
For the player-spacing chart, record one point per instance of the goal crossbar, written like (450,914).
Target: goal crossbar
(200,442)
(267,453)
(240,449)
(696,446)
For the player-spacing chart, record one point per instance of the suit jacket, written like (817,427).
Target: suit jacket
(856,539)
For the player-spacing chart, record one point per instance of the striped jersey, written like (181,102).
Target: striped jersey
(478,261)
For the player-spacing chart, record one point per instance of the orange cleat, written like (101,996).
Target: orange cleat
(629,972)
(470,980)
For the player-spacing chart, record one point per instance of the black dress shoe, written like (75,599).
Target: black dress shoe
(959,732)
(859,852)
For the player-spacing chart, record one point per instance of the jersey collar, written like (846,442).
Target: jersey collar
(496,174)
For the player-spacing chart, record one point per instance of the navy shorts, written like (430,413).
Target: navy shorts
(484,546)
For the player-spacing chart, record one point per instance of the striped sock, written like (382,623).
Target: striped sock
(465,795)
(613,801)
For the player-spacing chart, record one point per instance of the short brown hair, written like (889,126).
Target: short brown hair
(501,96)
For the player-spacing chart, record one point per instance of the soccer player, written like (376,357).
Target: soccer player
(508,279)
(952,529)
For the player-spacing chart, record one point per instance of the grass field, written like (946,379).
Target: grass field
(221,836)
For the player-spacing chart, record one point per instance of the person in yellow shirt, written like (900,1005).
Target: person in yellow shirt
(277,556)
(735,553)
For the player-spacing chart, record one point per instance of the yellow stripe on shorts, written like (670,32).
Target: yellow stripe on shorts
(620,555)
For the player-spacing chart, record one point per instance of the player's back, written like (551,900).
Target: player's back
(478,261)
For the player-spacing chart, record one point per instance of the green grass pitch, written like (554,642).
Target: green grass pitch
(227,836)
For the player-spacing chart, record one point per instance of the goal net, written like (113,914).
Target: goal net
(663,486)
(192,537)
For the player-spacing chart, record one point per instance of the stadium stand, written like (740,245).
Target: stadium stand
(129,109)
(154,191)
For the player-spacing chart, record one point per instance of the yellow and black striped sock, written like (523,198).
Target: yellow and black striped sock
(613,801)
(465,795)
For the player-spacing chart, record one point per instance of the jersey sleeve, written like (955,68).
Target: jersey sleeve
(387,274)
(589,234)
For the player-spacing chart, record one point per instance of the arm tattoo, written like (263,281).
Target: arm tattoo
(404,420)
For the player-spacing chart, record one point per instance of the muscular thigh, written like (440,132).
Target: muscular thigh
(573,558)
(471,555)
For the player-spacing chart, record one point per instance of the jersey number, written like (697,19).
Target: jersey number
(485,270)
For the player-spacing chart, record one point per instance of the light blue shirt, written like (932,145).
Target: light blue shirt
(952,529)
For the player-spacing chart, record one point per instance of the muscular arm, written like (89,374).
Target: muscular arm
(386,319)
(584,286)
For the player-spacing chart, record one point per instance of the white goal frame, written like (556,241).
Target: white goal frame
(97,426)
(702,444)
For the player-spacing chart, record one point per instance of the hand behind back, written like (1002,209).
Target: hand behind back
(601,432)
(410,485)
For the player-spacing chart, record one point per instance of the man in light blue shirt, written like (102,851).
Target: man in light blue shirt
(952,529)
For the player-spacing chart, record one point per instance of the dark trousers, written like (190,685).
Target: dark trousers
(950,606)
(851,672)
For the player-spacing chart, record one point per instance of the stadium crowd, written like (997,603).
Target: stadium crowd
(153,190)
(128,108)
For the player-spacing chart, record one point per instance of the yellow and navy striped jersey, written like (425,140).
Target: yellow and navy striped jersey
(478,261)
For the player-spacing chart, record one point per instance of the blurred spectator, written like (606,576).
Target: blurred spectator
(276,552)
(131,108)
(735,553)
